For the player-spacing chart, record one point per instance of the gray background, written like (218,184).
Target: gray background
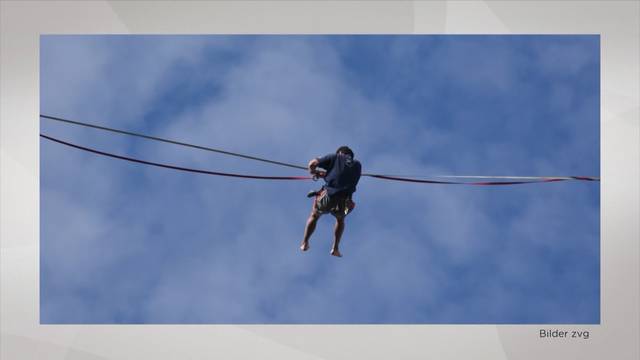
(22,337)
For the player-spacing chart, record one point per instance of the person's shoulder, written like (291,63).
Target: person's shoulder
(326,159)
(329,156)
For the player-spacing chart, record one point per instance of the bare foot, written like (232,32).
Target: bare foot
(335,252)
(304,246)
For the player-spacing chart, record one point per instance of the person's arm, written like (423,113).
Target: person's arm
(358,175)
(326,162)
(313,164)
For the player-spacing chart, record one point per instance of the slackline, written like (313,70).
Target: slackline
(529,180)
(173,167)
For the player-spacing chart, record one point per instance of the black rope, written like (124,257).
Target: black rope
(166,166)
(169,141)
(379,176)
(487,183)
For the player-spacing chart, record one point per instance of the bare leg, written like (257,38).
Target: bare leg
(309,229)
(337,235)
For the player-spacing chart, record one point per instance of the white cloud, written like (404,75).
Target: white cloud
(172,247)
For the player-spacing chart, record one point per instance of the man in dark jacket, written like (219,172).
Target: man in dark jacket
(341,176)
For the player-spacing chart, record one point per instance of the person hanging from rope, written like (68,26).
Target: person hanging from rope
(341,174)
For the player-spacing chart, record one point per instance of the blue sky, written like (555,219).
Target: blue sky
(125,243)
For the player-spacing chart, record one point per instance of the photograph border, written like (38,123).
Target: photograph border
(22,23)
